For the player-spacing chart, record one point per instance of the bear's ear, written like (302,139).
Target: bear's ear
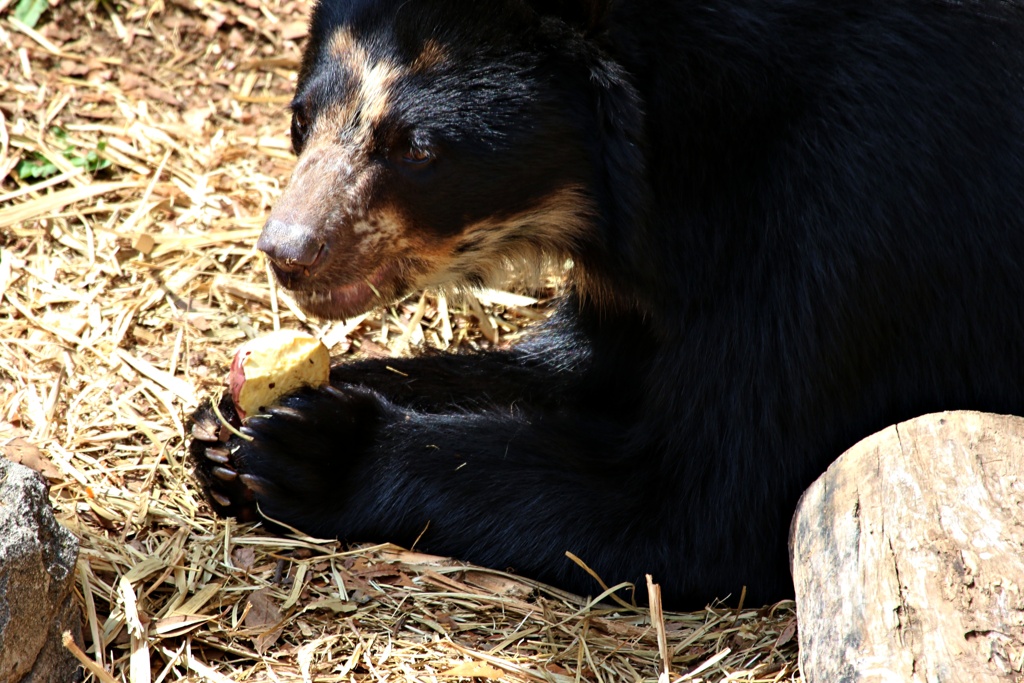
(583,14)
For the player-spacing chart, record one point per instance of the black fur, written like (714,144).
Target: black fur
(807,224)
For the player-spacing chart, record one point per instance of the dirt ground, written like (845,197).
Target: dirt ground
(141,147)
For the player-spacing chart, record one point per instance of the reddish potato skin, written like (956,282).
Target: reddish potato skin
(236,378)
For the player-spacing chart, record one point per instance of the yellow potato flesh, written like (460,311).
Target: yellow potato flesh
(268,367)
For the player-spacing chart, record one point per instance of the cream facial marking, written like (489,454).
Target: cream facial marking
(373,80)
(431,56)
(552,228)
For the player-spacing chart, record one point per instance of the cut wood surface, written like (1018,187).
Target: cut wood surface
(907,555)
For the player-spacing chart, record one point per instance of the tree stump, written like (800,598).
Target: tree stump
(908,555)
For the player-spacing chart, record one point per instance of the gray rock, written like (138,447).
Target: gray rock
(37,571)
(908,556)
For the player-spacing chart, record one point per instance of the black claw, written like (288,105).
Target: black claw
(335,392)
(247,432)
(224,474)
(220,498)
(219,455)
(254,424)
(255,484)
(205,431)
(285,411)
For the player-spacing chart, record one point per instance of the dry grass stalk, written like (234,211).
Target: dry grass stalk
(123,293)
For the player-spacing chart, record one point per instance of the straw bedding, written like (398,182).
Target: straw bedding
(140,149)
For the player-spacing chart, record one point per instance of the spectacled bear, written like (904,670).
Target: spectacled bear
(791,222)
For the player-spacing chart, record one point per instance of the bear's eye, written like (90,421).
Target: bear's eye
(301,121)
(300,126)
(417,157)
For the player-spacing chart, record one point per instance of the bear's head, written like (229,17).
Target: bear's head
(438,143)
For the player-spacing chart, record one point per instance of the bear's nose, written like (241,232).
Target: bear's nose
(292,248)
